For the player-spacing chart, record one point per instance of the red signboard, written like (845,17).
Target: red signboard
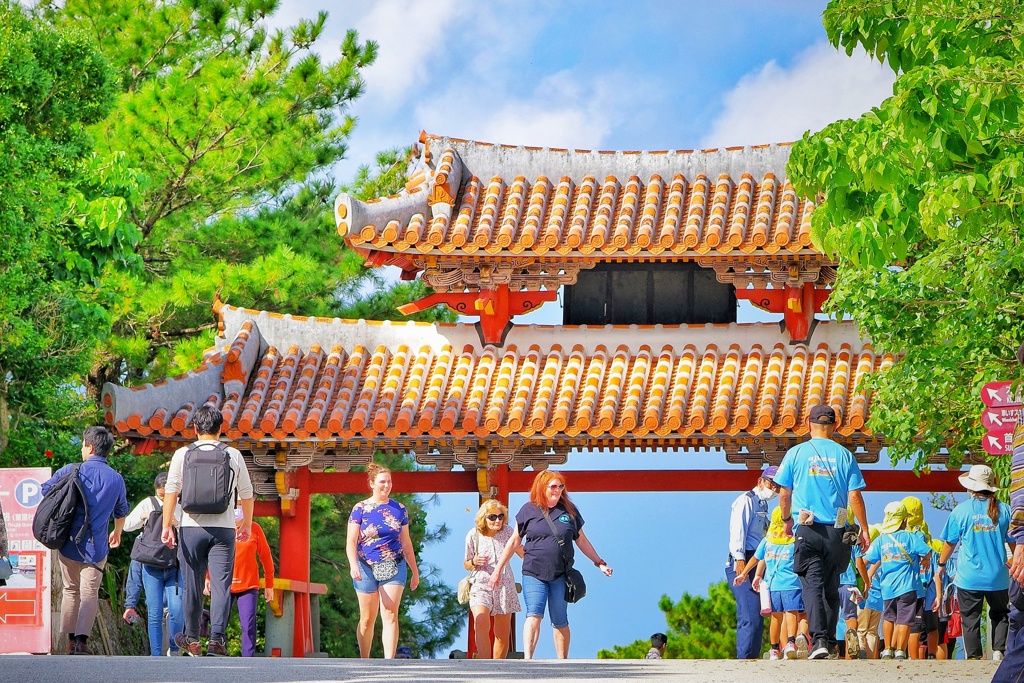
(25,600)
(1000,419)
(998,443)
(998,395)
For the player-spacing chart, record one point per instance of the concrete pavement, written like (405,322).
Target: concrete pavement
(28,669)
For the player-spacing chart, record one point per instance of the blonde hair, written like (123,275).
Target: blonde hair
(373,470)
(490,506)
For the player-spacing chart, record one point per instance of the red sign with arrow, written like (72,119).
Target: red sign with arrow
(21,611)
(999,443)
(1000,419)
(998,395)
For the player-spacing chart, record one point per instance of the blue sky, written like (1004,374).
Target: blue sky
(638,75)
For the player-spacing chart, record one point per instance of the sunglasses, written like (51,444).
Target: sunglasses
(495,518)
(556,487)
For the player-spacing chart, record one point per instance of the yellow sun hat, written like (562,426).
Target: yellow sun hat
(895,514)
(777,529)
(915,516)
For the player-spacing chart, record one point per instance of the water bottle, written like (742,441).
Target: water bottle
(766,598)
(132,619)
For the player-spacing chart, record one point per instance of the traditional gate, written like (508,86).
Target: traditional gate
(650,251)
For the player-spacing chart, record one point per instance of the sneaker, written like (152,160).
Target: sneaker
(801,646)
(863,654)
(188,646)
(997,656)
(775,654)
(852,644)
(789,652)
(820,651)
(900,654)
(886,654)
(216,648)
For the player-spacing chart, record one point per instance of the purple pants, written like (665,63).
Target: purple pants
(247,601)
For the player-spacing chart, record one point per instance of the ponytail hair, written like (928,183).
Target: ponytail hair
(993,509)
(993,504)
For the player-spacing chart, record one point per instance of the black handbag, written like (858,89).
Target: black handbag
(575,586)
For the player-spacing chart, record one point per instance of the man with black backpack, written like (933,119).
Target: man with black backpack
(160,575)
(208,477)
(101,495)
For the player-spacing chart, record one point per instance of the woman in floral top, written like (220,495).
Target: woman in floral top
(379,551)
(484,544)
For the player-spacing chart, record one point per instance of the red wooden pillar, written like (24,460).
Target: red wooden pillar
(295,559)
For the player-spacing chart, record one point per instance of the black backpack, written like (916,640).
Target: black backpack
(149,548)
(208,482)
(55,514)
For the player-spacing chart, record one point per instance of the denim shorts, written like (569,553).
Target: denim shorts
(369,584)
(537,593)
(788,601)
(847,607)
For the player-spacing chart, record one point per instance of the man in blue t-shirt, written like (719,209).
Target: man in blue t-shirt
(820,479)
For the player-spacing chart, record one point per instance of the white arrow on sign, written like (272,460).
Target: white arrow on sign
(994,442)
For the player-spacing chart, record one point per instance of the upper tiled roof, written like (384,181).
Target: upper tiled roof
(281,378)
(468,197)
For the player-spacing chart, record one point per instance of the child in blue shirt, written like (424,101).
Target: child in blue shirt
(774,557)
(894,557)
(849,596)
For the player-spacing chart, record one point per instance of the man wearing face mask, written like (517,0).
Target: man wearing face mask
(747,526)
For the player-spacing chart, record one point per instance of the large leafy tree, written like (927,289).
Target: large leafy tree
(698,628)
(921,202)
(235,125)
(63,216)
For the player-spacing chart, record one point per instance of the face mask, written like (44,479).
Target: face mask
(766,494)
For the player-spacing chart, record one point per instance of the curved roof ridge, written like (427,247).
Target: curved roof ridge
(486,159)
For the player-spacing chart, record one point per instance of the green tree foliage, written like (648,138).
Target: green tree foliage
(235,124)
(62,212)
(698,628)
(920,200)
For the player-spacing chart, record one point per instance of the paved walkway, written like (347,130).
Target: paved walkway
(26,669)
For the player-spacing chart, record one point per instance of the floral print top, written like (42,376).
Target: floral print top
(380,529)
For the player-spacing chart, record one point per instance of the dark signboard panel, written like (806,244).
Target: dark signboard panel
(648,294)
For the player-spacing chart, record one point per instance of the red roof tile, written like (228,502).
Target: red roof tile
(399,383)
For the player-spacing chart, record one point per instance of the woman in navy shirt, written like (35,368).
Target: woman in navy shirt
(544,567)
(379,548)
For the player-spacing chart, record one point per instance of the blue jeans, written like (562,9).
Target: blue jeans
(537,593)
(1011,669)
(163,587)
(749,622)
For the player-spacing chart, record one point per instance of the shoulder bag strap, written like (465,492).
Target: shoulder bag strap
(902,549)
(558,539)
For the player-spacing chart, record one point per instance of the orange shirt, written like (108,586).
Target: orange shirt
(247,575)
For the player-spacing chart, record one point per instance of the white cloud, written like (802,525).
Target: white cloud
(410,33)
(778,105)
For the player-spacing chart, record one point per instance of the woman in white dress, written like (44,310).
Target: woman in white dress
(484,544)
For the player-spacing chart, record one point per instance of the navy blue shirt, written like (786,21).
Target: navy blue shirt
(106,494)
(542,556)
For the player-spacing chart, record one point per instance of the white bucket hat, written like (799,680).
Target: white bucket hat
(979,478)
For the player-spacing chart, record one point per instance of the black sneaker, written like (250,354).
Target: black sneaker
(188,646)
(820,651)
(216,648)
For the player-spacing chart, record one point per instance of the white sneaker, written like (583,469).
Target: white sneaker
(900,654)
(997,656)
(789,652)
(801,646)
(886,654)
(775,654)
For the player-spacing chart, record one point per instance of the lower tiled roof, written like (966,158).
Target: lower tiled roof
(283,378)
